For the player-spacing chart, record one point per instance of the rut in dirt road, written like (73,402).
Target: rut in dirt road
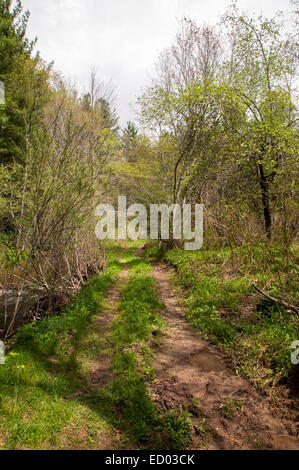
(101,373)
(193,375)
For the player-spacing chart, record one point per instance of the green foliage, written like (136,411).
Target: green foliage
(257,341)
(225,136)
(13,257)
(231,408)
(41,377)
(231,124)
(179,427)
(140,309)
(140,315)
(25,79)
(43,337)
(130,132)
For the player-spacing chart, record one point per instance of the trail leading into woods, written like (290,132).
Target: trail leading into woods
(127,371)
(191,375)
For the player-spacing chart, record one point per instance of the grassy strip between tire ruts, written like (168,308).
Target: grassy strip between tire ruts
(46,401)
(140,316)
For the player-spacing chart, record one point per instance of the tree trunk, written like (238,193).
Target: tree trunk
(265,200)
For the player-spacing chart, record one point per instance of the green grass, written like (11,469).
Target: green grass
(220,303)
(231,408)
(179,426)
(46,401)
(132,361)
(42,376)
(140,306)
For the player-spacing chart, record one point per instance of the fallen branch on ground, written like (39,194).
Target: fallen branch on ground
(278,301)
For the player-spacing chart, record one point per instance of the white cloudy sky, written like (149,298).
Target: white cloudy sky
(122,38)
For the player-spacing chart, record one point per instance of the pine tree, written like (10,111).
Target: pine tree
(15,50)
(110,118)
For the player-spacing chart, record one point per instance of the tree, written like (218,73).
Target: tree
(144,173)
(181,102)
(110,117)
(130,132)
(100,98)
(130,142)
(27,91)
(15,52)
(261,74)
(231,117)
(52,197)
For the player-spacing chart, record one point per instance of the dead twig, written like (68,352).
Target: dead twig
(277,301)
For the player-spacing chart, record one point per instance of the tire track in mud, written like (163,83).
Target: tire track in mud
(190,373)
(101,373)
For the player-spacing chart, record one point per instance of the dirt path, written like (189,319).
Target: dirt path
(101,371)
(228,413)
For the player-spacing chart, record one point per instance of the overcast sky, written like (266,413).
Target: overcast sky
(122,38)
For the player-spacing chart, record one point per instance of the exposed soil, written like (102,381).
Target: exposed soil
(101,373)
(228,413)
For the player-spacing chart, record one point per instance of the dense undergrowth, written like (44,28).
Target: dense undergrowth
(221,303)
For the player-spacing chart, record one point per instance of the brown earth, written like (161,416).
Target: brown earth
(227,412)
(101,372)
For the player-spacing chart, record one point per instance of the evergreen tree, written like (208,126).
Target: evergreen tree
(110,118)
(130,132)
(15,49)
